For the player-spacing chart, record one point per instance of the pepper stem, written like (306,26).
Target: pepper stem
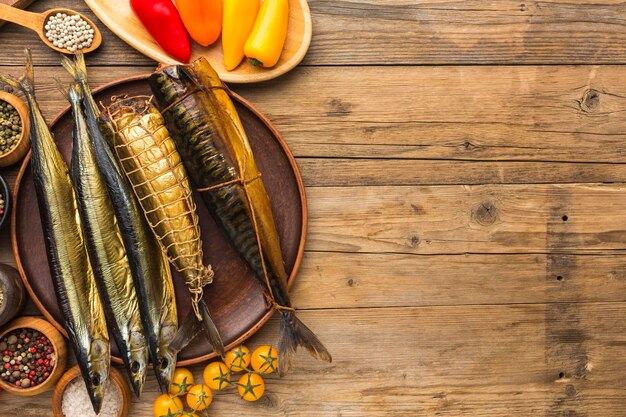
(256,63)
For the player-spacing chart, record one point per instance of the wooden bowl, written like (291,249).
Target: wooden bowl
(115,376)
(235,297)
(6,194)
(23,143)
(118,16)
(58,344)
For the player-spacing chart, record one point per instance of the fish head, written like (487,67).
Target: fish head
(167,358)
(173,81)
(97,372)
(138,361)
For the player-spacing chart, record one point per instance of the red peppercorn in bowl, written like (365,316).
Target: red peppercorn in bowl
(33,356)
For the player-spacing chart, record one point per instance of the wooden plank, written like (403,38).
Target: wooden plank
(440,361)
(465,219)
(360,280)
(572,114)
(355,173)
(461,219)
(431,32)
(462,113)
(331,172)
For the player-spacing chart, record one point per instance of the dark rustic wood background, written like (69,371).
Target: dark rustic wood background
(465,163)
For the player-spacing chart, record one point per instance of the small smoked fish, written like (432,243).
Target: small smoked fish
(148,157)
(215,149)
(72,274)
(106,250)
(149,266)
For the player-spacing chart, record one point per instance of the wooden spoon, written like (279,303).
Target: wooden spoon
(37,21)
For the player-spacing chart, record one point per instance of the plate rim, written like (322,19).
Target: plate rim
(303,234)
(231,77)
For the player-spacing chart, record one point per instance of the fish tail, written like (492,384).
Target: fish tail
(71,92)
(76,68)
(192,326)
(294,333)
(26,82)
(215,340)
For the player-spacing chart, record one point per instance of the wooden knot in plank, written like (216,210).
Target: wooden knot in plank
(486,213)
(590,101)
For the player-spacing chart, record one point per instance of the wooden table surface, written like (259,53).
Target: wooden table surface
(465,163)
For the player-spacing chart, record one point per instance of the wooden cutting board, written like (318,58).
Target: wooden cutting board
(20,4)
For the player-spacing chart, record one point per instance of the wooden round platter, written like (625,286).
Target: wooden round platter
(235,297)
(119,17)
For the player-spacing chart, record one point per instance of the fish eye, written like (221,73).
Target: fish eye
(134,367)
(95,380)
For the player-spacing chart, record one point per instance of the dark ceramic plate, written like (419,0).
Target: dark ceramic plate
(235,298)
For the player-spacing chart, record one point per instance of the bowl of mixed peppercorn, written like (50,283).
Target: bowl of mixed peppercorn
(14,129)
(33,356)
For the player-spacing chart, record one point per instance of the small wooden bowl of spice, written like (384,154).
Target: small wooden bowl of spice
(70,398)
(14,129)
(33,356)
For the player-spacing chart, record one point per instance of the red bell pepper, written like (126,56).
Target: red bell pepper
(163,22)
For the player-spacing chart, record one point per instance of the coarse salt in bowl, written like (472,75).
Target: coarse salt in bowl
(76,401)
(70,398)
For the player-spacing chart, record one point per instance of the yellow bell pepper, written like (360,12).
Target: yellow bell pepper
(202,19)
(239,18)
(267,39)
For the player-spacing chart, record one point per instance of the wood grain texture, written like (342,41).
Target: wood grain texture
(430,32)
(500,114)
(441,361)
(462,219)
(440,270)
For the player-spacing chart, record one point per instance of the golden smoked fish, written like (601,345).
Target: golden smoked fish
(217,154)
(72,275)
(149,266)
(152,165)
(106,250)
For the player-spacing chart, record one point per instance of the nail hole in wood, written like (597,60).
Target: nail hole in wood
(559,278)
(564,217)
(561,375)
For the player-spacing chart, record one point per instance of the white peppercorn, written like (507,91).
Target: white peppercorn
(69,32)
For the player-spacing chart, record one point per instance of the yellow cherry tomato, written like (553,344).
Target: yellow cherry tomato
(237,358)
(199,397)
(265,359)
(181,381)
(166,404)
(216,375)
(251,387)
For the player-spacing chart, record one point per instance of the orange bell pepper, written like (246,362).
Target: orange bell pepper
(239,18)
(268,36)
(202,19)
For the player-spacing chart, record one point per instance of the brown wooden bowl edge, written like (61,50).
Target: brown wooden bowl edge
(23,143)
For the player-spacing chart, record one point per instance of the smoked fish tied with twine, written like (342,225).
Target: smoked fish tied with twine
(216,151)
(149,158)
